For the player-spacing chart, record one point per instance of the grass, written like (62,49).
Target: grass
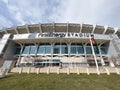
(60,82)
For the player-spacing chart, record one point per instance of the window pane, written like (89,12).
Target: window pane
(73,50)
(57,49)
(64,50)
(88,50)
(48,50)
(26,50)
(41,50)
(103,50)
(80,50)
(96,50)
(32,50)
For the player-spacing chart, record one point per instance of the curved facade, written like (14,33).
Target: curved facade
(60,44)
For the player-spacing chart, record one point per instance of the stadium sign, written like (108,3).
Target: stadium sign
(64,35)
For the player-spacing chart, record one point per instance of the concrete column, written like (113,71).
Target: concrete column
(84,46)
(40,28)
(27,28)
(105,29)
(94,26)
(102,61)
(80,28)
(19,58)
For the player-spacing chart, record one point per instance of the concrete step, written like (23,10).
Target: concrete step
(15,70)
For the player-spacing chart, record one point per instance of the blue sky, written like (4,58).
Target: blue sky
(20,12)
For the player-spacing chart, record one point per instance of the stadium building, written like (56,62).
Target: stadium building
(60,45)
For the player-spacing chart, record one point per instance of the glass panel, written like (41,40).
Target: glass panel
(88,50)
(26,50)
(44,48)
(41,50)
(73,50)
(64,50)
(32,49)
(80,50)
(103,50)
(18,51)
(96,50)
(48,50)
(57,49)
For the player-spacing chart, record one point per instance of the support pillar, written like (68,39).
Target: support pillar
(102,61)
(19,58)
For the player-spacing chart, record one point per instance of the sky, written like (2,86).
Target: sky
(20,12)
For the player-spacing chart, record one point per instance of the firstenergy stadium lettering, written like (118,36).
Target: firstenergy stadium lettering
(63,35)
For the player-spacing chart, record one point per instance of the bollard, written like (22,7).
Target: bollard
(58,71)
(28,70)
(20,71)
(38,70)
(98,72)
(48,70)
(117,71)
(78,72)
(68,71)
(87,71)
(108,73)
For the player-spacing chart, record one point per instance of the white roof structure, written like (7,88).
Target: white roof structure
(60,27)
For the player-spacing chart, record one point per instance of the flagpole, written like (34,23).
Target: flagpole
(93,52)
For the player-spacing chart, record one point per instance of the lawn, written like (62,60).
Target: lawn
(60,82)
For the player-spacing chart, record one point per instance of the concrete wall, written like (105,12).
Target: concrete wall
(10,50)
(111,49)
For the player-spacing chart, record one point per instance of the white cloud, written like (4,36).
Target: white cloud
(3,21)
(5,1)
(104,12)
(88,11)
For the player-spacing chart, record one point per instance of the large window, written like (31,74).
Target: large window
(103,50)
(44,48)
(76,48)
(88,49)
(47,48)
(96,50)
(26,49)
(60,48)
(29,49)
(32,49)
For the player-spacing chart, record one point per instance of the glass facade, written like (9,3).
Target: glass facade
(88,49)
(26,50)
(76,48)
(32,49)
(29,49)
(103,50)
(59,48)
(96,50)
(44,48)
